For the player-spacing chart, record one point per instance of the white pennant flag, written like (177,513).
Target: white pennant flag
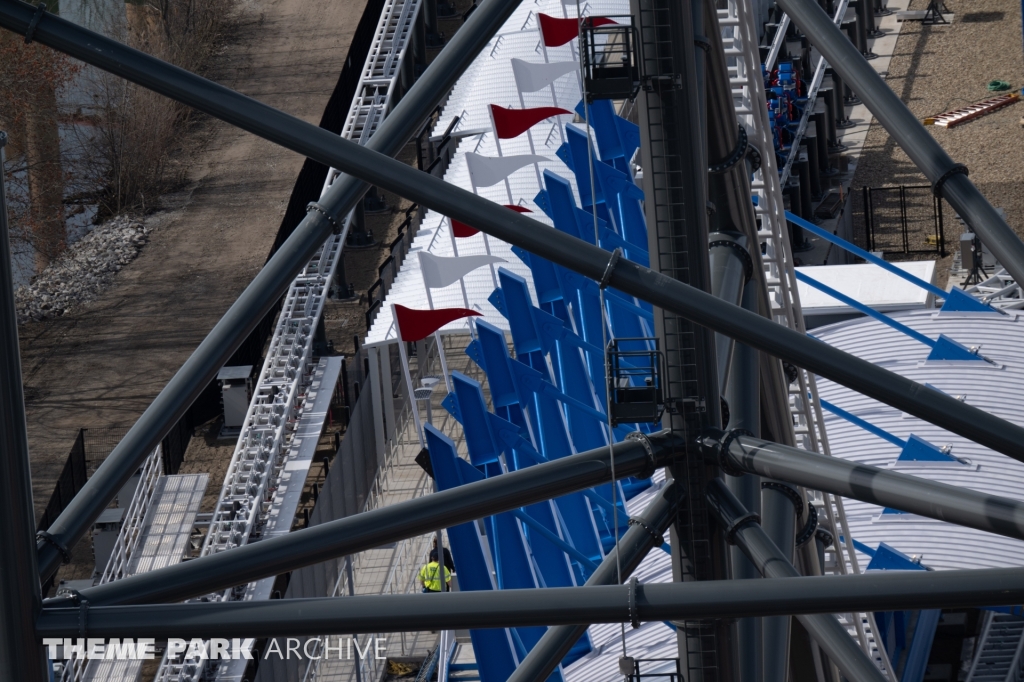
(485,171)
(533,77)
(440,271)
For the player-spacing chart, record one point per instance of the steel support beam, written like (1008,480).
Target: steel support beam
(926,153)
(273,280)
(729,190)
(962,506)
(875,591)
(731,269)
(21,658)
(742,395)
(631,549)
(744,529)
(673,154)
(637,456)
(590,261)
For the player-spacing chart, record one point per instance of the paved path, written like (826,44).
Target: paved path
(100,366)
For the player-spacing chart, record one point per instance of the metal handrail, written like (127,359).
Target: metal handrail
(130,533)
(1015,664)
(986,630)
(401,575)
(126,543)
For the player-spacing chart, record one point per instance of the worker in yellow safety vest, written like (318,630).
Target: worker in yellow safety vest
(430,577)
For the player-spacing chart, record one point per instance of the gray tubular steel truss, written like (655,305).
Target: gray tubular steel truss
(881,591)
(575,254)
(127,607)
(363,162)
(743,529)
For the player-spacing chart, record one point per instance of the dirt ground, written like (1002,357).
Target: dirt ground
(345,320)
(100,366)
(943,67)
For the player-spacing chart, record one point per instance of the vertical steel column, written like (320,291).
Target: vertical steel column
(731,269)
(779,522)
(441,568)
(634,545)
(21,657)
(675,183)
(824,629)
(729,191)
(700,70)
(742,395)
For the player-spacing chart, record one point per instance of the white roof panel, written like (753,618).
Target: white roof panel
(867,284)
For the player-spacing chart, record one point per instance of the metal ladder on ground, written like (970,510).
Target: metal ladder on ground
(740,39)
(998,656)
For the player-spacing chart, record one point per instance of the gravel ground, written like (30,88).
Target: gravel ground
(83,271)
(939,68)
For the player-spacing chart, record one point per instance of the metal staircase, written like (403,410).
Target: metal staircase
(386,69)
(124,549)
(260,454)
(740,39)
(999,651)
(248,490)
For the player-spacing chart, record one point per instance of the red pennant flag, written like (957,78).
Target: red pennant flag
(461,230)
(414,325)
(509,123)
(555,32)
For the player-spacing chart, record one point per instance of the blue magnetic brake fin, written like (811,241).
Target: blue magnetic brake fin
(887,558)
(919,450)
(959,301)
(946,348)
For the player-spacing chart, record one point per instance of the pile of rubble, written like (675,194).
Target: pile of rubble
(82,271)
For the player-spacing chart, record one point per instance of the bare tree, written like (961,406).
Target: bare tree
(31,77)
(139,131)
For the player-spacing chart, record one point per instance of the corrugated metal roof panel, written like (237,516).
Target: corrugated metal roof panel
(996,388)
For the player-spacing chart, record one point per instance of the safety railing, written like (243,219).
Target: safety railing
(131,530)
(126,543)
(740,39)
(411,553)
